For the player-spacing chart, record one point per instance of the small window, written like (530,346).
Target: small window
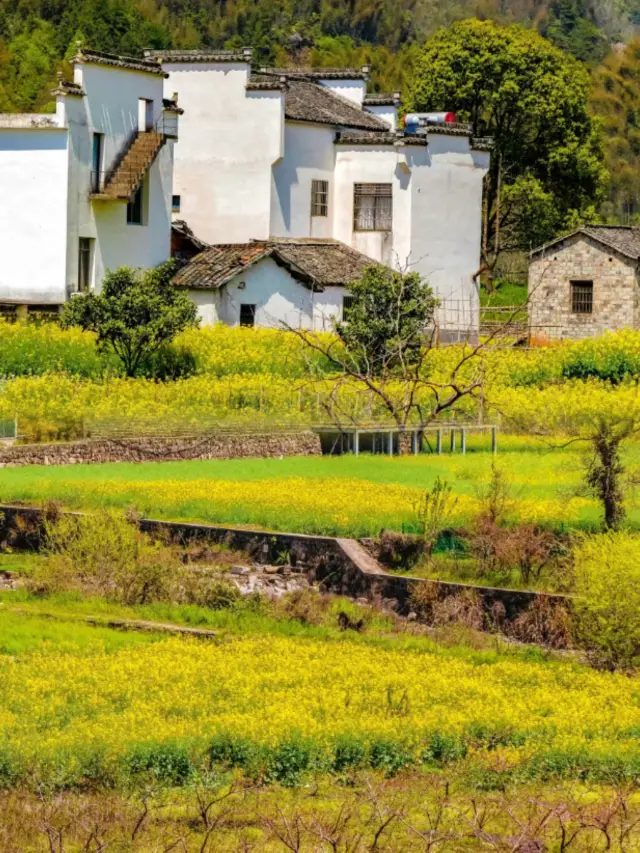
(582,297)
(96,163)
(372,207)
(347,306)
(319,198)
(134,208)
(175,203)
(85,262)
(247,315)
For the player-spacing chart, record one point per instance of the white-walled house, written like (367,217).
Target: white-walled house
(89,186)
(308,154)
(295,282)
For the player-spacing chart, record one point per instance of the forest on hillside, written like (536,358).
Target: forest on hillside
(38,37)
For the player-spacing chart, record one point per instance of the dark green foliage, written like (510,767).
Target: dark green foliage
(388,321)
(611,366)
(135,315)
(444,748)
(389,756)
(349,754)
(571,24)
(168,763)
(170,362)
(232,751)
(512,85)
(290,760)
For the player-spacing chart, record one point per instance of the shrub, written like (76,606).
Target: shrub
(443,748)
(389,756)
(232,751)
(349,754)
(607,603)
(168,763)
(104,554)
(290,760)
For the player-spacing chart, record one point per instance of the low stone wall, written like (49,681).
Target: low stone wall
(341,566)
(304,443)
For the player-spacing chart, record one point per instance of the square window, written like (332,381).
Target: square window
(372,207)
(319,198)
(247,315)
(134,207)
(175,203)
(582,297)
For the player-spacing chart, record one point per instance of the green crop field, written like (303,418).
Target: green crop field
(329,495)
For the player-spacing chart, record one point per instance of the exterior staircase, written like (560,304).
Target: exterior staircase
(124,179)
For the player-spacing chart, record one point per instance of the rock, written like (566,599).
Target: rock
(240,570)
(271,570)
(412,617)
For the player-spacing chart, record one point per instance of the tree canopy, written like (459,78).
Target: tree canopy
(135,315)
(513,85)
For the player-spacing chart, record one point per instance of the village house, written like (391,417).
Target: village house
(90,185)
(585,283)
(306,154)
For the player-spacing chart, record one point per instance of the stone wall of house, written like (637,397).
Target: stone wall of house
(304,443)
(615,290)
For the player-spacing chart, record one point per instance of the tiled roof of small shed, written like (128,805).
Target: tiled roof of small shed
(318,262)
(129,63)
(624,239)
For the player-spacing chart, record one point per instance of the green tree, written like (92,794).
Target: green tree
(135,315)
(615,101)
(533,99)
(388,319)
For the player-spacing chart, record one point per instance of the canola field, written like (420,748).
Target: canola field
(345,496)
(73,698)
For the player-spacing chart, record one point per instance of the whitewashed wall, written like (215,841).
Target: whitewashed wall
(229,139)
(387,112)
(309,154)
(446,225)
(376,165)
(33,219)
(352,90)
(111,107)
(328,308)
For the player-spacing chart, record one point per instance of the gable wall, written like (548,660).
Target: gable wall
(615,290)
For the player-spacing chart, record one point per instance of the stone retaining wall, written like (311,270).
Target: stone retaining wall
(305,443)
(341,566)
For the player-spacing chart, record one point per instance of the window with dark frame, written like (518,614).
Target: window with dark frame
(247,315)
(319,198)
(85,252)
(134,208)
(96,162)
(372,207)
(347,306)
(175,203)
(582,297)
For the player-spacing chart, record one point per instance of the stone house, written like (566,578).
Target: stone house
(585,283)
(269,154)
(89,187)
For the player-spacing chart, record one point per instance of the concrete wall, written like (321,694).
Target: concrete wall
(308,155)
(387,112)
(33,219)
(229,140)
(616,288)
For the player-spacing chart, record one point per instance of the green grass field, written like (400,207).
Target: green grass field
(325,495)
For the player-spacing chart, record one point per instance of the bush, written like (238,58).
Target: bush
(349,754)
(169,363)
(168,763)
(105,555)
(232,751)
(290,760)
(607,603)
(389,756)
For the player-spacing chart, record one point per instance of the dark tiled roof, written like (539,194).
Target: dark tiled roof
(261,83)
(321,73)
(624,239)
(382,100)
(66,87)
(159,56)
(450,129)
(171,104)
(179,228)
(317,263)
(380,138)
(482,144)
(127,62)
(313,102)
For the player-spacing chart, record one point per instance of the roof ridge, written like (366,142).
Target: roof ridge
(382,124)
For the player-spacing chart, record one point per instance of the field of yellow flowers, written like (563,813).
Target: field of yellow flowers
(71,700)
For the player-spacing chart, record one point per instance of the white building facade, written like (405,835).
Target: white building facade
(90,186)
(307,154)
